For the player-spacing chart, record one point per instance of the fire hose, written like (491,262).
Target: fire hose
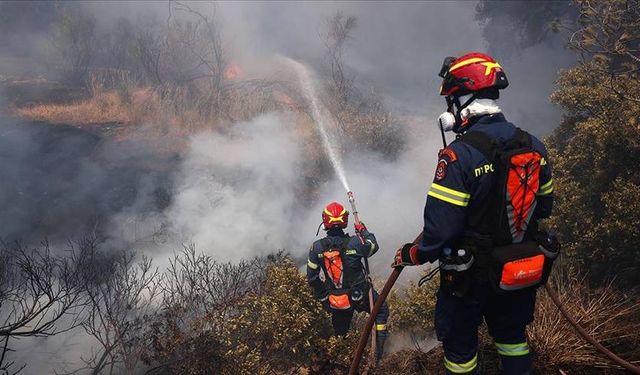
(585,335)
(356,219)
(357,354)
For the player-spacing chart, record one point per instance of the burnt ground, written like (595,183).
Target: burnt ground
(60,182)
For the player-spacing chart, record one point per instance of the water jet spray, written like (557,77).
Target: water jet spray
(306,83)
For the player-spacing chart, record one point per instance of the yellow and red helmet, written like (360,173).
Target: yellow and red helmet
(470,73)
(335,215)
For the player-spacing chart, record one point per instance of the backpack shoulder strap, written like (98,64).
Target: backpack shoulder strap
(345,242)
(482,220)
(488,147)
(480,141)
(520,139)
(327,244)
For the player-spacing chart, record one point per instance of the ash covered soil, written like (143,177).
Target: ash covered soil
(61,181)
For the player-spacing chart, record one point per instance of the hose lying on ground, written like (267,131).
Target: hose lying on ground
(585,335)
(357,355)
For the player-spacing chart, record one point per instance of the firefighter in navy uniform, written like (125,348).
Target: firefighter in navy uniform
(480,211)
(345,287)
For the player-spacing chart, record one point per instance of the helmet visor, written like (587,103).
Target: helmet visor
(446,65)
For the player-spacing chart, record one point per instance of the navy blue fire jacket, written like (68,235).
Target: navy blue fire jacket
(464,178)
(354,251)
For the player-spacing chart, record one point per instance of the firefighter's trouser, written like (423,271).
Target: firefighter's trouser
(457,320)
(341,319)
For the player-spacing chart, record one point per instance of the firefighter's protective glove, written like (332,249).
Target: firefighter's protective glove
(360,227)
(406,256)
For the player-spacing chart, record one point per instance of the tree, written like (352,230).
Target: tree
(254,317)
(199,296)
(339,29)
(74,43)
(193,57)
(510,26)
(597,144)
(362,117)
(121,296)
(280,328)
(39,296)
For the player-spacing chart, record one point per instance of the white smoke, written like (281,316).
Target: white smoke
(237,195)
(390,194)
(236,192)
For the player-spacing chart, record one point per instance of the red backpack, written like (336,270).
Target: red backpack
(337,274)
(514,260)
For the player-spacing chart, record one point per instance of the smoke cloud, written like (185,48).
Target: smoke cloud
(397,47)
(234,196)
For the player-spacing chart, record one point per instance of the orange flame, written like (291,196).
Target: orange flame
(232,71)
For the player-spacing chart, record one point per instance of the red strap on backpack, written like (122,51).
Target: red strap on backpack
(521,186)
(507,211)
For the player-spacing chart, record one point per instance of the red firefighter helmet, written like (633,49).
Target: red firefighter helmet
(470,73)
(335,216)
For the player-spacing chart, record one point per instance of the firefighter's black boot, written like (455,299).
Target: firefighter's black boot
(380,340)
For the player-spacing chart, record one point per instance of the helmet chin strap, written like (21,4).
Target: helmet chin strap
(457,111)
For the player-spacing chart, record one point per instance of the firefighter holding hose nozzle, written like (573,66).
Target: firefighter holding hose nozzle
(491,187)
(345,287)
